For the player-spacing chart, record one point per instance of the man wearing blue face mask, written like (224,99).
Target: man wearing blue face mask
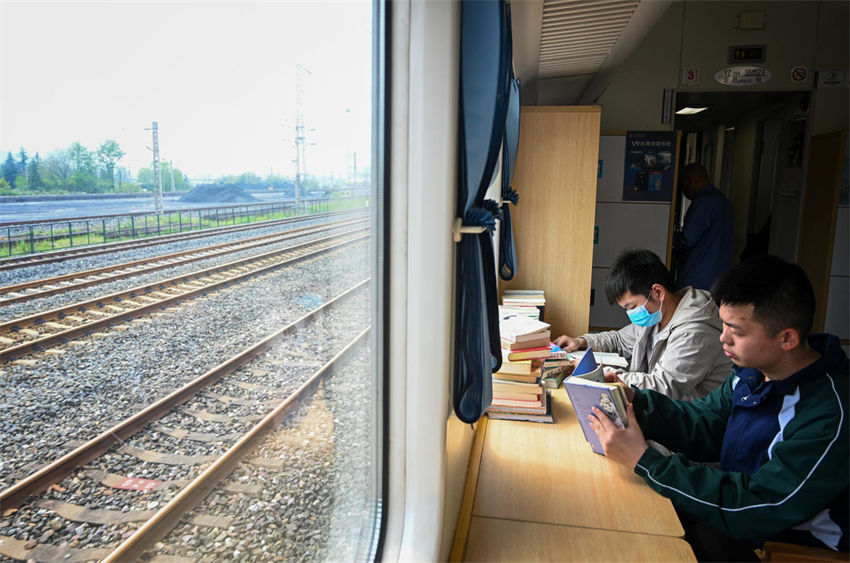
(672,342)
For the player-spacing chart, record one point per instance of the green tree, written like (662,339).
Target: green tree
(249,178)
(34,180)
(275,179)
(108,154)
(83,178)
(58,169)
(146,180)
(21,182)
(124,175)
(10,170)
(82,158)
(22,161)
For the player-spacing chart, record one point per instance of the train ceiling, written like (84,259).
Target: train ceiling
(577,39)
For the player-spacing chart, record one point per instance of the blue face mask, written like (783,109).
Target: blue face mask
(641,317)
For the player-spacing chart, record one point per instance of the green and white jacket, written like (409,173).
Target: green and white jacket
(782,447)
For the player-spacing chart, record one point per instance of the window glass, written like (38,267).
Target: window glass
(192,184)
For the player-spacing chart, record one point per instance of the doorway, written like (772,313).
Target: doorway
(752,144)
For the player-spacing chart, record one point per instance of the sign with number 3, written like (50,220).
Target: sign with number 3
(690,75)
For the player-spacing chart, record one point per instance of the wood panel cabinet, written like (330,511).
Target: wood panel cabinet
(555,177)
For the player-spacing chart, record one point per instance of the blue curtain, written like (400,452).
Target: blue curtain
(507,251)
(484,87)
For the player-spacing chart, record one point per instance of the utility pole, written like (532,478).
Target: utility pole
(157,173)
(300,140)
(171,165)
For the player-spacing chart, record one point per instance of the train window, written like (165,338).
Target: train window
(190,219)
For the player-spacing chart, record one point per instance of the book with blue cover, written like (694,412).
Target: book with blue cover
(587,388)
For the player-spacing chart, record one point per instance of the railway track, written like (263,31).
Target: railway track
(110,247)
(144,523)
(24,335)
(45,287)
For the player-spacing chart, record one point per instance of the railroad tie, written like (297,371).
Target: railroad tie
(214,417)
(116,481)
(31,550)
(167,459)
(183,434)
(234,400)
(97,313)
(79,513)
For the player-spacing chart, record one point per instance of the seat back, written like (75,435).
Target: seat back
(790,553)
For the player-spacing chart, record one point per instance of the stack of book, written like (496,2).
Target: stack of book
(525,298)
(555,369)
(518,391)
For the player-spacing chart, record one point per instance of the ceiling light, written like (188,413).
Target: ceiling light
(690,111)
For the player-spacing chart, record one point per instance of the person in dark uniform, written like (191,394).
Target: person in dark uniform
(704,245)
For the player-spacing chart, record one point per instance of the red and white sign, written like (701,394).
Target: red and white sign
(799,74)
(138,484)
(690,75)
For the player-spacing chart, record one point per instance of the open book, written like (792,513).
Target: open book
(605,358)
(587,388)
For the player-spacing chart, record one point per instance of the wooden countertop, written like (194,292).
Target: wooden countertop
(509,540)
(543,495)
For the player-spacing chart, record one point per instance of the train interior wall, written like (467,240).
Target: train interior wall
(697,35)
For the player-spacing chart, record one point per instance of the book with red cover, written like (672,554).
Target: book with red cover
(517,407)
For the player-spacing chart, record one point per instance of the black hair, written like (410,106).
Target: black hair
(636,271)
(780,293)
(695,170)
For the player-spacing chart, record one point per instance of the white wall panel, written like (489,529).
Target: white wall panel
(629,225)
(612,151)
(601,313)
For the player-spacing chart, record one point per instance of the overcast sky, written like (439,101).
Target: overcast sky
(219,77)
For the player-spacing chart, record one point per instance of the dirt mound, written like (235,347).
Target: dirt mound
(217,193)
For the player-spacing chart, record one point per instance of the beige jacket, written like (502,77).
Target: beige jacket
(687,361)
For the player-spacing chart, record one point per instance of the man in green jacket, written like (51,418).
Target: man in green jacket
(770,444)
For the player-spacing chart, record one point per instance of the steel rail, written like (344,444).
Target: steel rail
(161,523)
(57,470)
(25,347)
(118,246)
(115,272)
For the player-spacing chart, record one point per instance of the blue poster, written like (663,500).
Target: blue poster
(650,165)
